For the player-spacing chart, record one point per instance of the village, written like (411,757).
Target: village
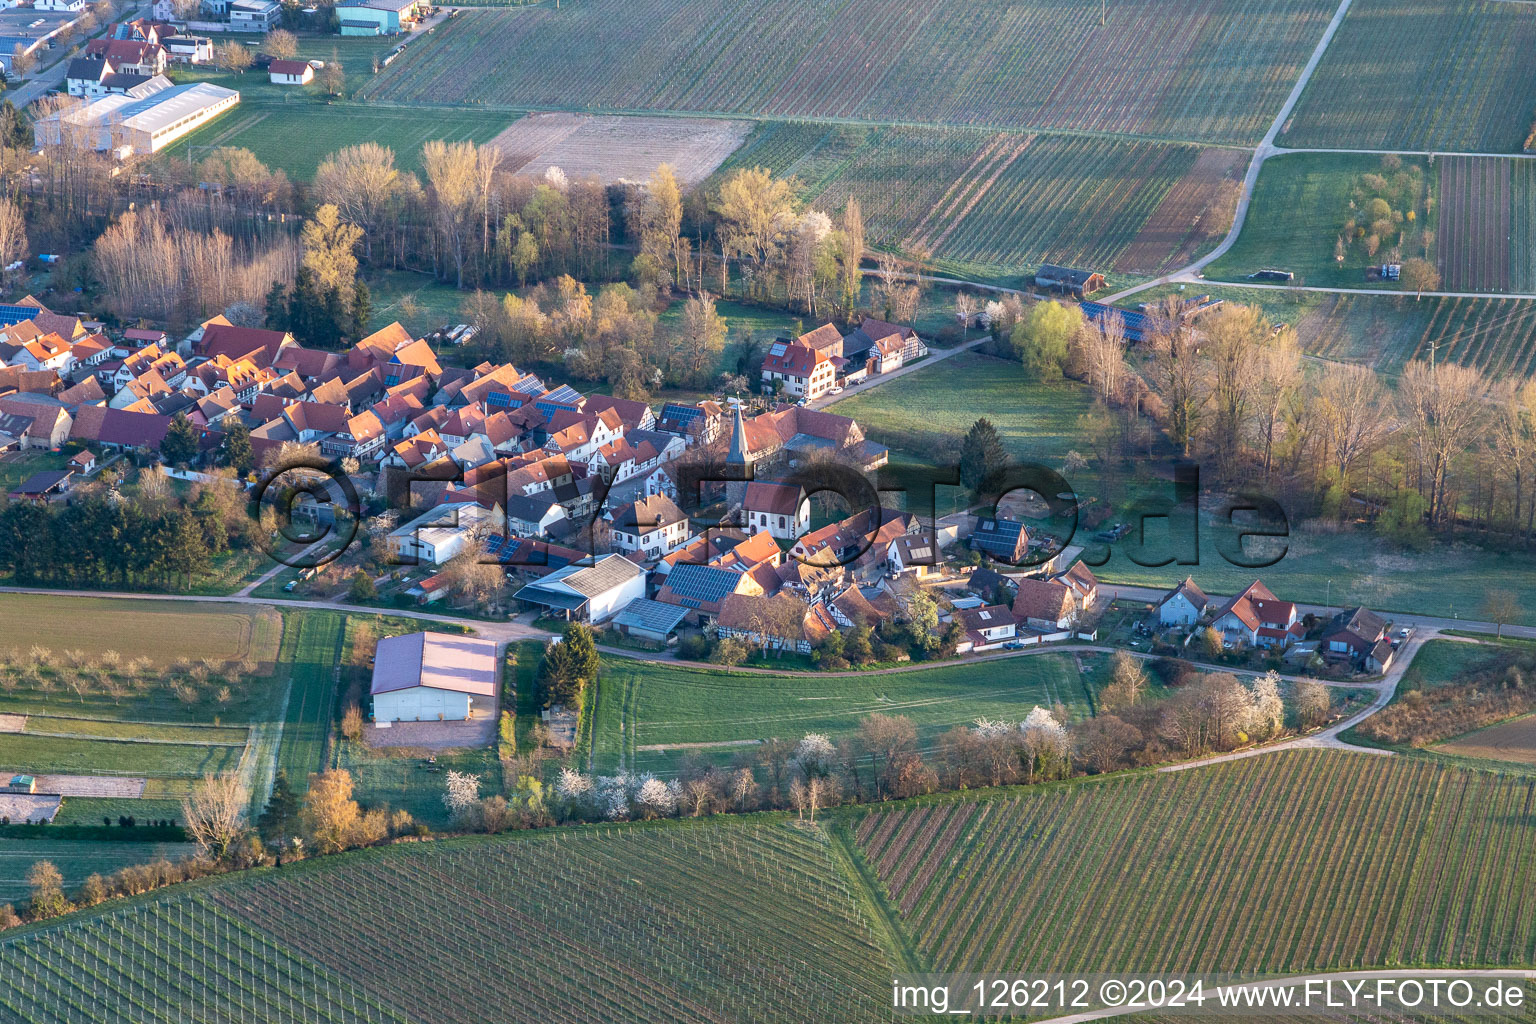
(493,492)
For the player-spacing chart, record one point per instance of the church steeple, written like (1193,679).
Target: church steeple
(739,454)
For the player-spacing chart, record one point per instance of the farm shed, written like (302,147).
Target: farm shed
(591,593)
(44,485)
(431,677)
(650,620)
(1068,279)
(140,126)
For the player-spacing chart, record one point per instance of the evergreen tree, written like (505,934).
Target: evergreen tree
(583,650)
(14,131)
(236,452)
(277,311)
(179,446)
(981,454)
(281,816)
(362,309)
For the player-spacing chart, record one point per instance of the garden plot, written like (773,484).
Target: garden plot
(91,785)
(1474,224)
(616,149)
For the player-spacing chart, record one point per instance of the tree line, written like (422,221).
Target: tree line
(1447,447)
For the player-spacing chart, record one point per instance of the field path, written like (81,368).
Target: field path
(1265,150)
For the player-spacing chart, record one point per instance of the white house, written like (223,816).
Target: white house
(781,509)
(655,527)
(988,627)
(1184,605)
(798,370)
(254,15)
(590,590)
(431,677)
(437,535)
(290,72)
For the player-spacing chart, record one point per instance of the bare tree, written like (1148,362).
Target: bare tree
(13,233)
(1234,337)
(452,180)
(280,43)
(215,813)
(1177,372)
(1501,607)
(1355,415)
(1278,378)
(360,181)
(1420,275)
(1312,702)
(1445,409)
(1101,348)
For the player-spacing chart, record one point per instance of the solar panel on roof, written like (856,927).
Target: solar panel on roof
(778,349)
(16,314)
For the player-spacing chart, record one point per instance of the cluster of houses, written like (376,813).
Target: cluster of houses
(1255,618)
(130,107)
(826,360)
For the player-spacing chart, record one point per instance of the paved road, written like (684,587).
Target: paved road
(934,357)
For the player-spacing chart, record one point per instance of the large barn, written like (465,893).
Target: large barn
(431,677)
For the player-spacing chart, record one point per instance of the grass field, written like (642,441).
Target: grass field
(643,706)
(160,630)
(1291,861)
(1422,75)
(923,417)
(400,779)
(1300,206)
(1210,71)
(20,752)
(992,205)
(720,922)
(75,860)
(1353,568)
(268,129)
(311,654)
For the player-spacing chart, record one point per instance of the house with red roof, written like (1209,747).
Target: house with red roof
(797,370)
(259,346)
(1257,617)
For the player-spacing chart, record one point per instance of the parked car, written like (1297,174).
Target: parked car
(289,587)
(835,391)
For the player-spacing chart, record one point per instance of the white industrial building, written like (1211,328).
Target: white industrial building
(432,677)
(137,125)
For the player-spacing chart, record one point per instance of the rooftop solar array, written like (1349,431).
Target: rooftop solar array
(702,583)
(10,315)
